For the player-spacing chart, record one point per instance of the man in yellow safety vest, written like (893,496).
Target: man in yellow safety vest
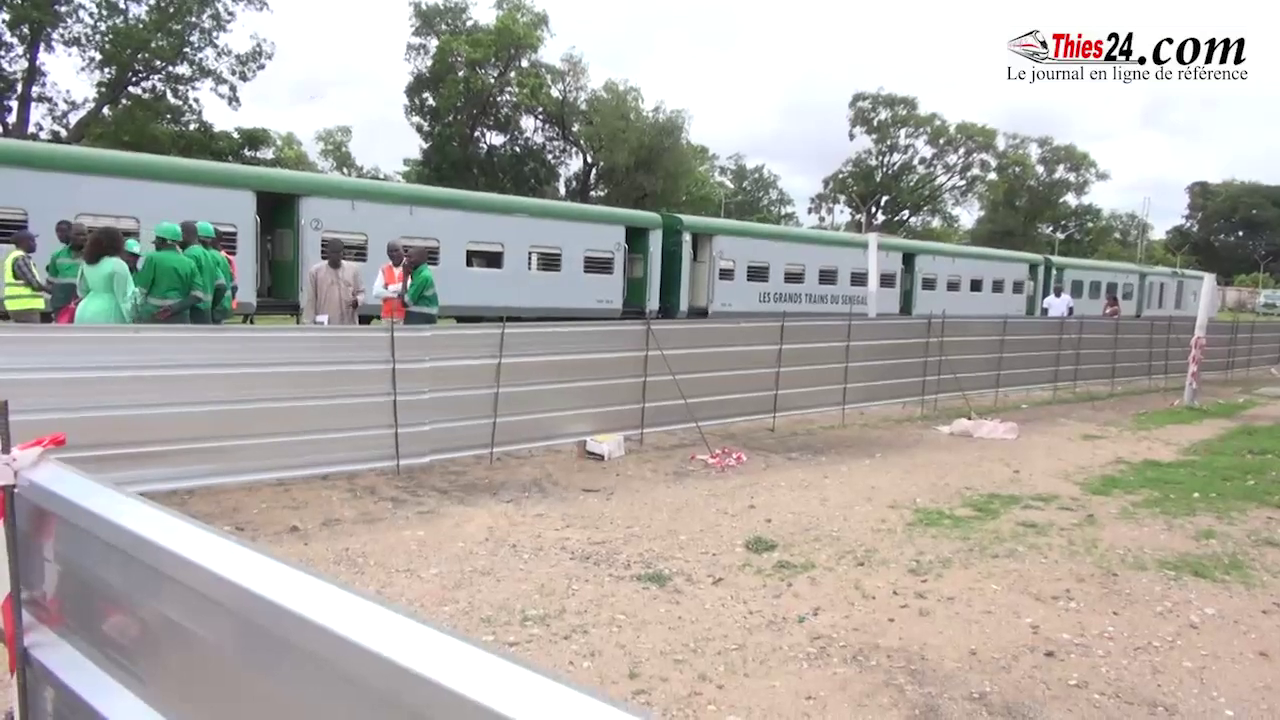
(23,288)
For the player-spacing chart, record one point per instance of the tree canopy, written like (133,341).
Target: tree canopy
(494,113)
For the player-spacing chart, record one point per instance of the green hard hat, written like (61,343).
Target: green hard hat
(204,229)
(133,246)
(169,231)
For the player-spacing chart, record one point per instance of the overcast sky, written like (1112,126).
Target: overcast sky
(772,80)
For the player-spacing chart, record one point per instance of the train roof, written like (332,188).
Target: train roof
(1109,265)
(812,236)
(161,168)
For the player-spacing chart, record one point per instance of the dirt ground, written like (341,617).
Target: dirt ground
(641,577)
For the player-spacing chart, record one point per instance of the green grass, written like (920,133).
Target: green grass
(1229,316)
(1217,410)
(759,545)
(1233,472)
(1212,567)
(656,578)
(976,510)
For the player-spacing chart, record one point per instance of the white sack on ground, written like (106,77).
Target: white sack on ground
(981,429)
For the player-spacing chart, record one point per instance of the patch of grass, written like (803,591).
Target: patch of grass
(976,510)
(1232,472)
(759,544)
(1212,567)
(1093,436)
(791,568)
(656,578)
(1219,410)
(1206,534)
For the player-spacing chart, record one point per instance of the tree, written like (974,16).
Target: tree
(917,168)
(127,50)
(334,151)
(1035,196)
(754,193)
(1229,228)
(472,97)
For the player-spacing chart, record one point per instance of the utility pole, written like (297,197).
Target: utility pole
(862,211)
(1142,231)
(1262,259)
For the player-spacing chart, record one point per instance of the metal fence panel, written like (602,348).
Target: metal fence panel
(159,616)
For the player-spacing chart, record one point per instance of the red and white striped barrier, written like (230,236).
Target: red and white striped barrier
(1198,344)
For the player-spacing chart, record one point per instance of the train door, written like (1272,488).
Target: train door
(635,290)
(908,297)
(279,276)
(1033,301)
(700,277)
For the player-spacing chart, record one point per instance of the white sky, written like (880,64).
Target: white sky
(773,81)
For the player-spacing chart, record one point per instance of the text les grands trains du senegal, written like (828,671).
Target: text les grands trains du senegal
(809,298)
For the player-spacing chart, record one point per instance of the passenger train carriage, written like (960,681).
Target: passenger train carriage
(524,258)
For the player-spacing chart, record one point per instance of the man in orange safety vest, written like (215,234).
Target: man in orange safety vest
(389,282)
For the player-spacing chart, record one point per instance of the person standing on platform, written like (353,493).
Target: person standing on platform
(1059,304)
(104,286)
(64,265)
(231,263)
(132,254)
(334,290)
(206,273)
(386,288)
(220,303)
(422,304)
(168,281)
(23,288)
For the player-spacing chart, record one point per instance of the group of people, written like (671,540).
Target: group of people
(334,290)
(1060,304)
(102,278)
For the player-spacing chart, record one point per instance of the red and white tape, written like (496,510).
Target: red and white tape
(722,459)
(1198,344)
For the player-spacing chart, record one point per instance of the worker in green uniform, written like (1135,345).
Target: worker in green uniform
(132,255)
(223,291)
(206,272)
(64,265)
(168,281)
(421,303)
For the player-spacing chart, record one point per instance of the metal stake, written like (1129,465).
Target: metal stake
(644,388)
(1057,358)
(497,389)
(1253,328)
(1004,334)
(1075,372)
(942,355)
(395,396)
(1115,351)
(777,373)
(1168,342)
(1151,354)
(848,343)
(15,578)
(924,374)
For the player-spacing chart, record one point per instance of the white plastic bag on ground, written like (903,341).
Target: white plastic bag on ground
(981,428)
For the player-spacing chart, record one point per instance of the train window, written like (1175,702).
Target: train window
(1126,292)
(1095,289)
(793,274)
(355,246)
(727,268)
(11,221)
(128,226)
(757,272)
(1077,289)
(228,237)
(485,256)
(929,282)
(858,278)
(953,283)
(828,276)
(975,284)
(1177,295)
(635,265)
(1019,287)
(597,262)
(1058,276)
(1160,295)
(1111,289)
(997,286)
(544,259)
(431,244)
(1151,294)
(888,280)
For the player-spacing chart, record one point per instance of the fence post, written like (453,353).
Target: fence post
(777,372)
(942,357)
(1075,372)
(395,396)
(19,650)
(1004,333)
(848,344)
(1151,354)
(1115,352)
(1248,362)
(924,373)
(1231,345)
(1168,344)
(644,388)
(1057,358)
(497,389)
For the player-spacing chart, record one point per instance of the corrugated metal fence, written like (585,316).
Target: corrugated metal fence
(161,407)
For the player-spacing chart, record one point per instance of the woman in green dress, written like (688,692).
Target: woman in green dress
(105,285)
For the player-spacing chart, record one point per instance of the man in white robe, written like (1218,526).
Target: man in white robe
(333,289)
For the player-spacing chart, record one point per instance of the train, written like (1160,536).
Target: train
(497,256)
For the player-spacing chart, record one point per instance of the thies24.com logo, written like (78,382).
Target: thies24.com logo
(1076,56)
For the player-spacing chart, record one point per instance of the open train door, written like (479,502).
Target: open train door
(279,257)
(635,289)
